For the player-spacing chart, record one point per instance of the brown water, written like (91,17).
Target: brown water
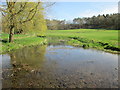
(59,66)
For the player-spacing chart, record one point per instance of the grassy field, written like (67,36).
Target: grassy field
(101,39)
(19,42)
(106,40)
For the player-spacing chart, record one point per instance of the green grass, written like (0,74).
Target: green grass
(106,40)
(19,42)
(101,39)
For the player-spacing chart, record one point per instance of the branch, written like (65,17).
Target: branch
(23,7)
(32,15)
(50,5)
(8,3)
(3,14)
(2,10)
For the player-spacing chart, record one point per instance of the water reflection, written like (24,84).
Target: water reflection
(60,66)
(32,56)
(18,64)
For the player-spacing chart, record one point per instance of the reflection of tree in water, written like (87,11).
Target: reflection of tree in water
(32,56)
(28,61)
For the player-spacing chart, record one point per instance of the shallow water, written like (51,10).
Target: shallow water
(59,66)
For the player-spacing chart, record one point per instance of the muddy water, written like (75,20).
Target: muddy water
(59,66)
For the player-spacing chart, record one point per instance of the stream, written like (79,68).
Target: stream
(59,66)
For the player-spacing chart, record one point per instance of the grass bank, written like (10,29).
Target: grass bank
(19,42)
(106,40)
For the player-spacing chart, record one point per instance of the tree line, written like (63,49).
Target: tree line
(108,21)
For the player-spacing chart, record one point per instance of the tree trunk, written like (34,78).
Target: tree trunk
(11,27)
(11,33)
(11,21)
